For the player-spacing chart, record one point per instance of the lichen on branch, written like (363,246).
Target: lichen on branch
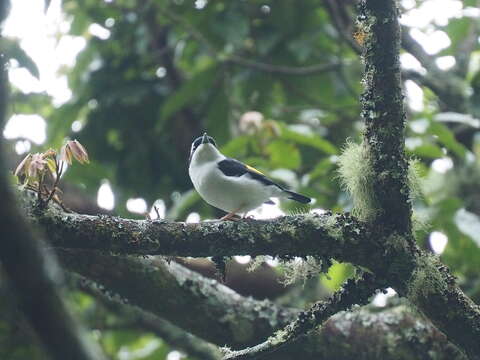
(339,236)
(384,113)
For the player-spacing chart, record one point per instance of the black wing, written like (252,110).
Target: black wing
(232,167)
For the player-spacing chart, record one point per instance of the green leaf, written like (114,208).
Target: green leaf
(446,137)
(236,147)
(457,30)
(314,141)
(336,275)
(190,91)
(216,121)
(79,24)
(284,155)
(427,150)
(323,167)
(13,50)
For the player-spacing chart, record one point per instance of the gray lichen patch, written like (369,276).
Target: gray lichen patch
(301,269)
(278,337)
(334,228)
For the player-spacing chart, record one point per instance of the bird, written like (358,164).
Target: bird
(229,184)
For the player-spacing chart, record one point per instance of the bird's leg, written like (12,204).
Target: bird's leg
(230,215)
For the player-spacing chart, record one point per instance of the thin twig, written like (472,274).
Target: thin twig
(235,59)
(417,50)
(39,190)
(466,47)
(146,321)
(282,69)
(344,30)
(58,173)
(156,211)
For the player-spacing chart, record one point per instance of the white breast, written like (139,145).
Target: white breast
(231,194)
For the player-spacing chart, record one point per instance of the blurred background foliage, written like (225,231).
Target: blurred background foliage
(277,84)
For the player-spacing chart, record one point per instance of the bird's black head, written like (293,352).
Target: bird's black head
(205,139)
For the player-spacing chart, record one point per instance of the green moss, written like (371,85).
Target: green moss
(413,178)
(426,279)
(356,177)
(355,173)
(419,222)
(300,269)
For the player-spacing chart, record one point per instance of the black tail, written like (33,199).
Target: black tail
(297,197)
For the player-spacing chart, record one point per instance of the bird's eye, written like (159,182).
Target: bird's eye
(211,141)
(196,143)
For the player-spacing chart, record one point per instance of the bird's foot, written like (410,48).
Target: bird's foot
(230,216)
(148,217)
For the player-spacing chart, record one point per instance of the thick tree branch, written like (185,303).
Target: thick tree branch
(206,308)
(384,115)
(138,318)
(338,236)
(33,272)
(175,293)
(365,333)
(331,235)
(427,283)
(433,290)
(353,292)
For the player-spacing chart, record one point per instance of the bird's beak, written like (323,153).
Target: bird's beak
(205,138)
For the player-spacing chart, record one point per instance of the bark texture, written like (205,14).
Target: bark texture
(423,279)
(211,311)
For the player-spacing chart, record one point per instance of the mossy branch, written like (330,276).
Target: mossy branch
(202,306)
(339,236)
(213,312)
(353,292)
(428,285)
(384,114)
(134,316)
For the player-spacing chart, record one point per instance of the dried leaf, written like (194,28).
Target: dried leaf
(23,166)
(66,154)
(79,152)
(36,166)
